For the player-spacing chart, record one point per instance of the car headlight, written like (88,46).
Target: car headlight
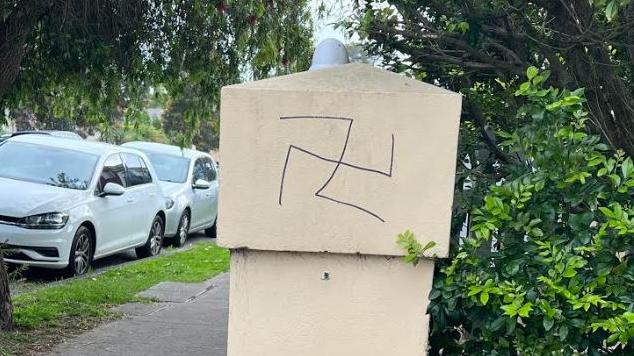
(48,221)
(169,203)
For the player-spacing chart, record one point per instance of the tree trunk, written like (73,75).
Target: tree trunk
(14,31)
(12,44)
(6,307)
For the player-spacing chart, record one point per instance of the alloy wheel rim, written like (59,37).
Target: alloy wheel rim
(182,233)
(82,254)
(155,241)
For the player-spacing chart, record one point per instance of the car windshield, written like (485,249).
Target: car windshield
(46,165)
(169,168)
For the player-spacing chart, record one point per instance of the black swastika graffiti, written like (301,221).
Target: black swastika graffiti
(338,162)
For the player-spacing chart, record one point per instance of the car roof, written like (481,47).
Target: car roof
(165,149)
(65,134)
(96,148)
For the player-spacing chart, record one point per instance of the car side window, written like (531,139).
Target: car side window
(147,177)
(113,172)
(200,172)
(211,170)
(137,171)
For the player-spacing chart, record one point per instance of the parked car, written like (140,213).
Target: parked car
(65,203)
(189,181)
(64,134)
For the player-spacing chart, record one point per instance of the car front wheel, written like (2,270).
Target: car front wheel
(183,230)
(81,252)
(154,243)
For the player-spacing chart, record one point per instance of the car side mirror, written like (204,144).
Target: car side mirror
(201,184)
(112,189)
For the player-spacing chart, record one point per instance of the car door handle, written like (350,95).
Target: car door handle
(130,200)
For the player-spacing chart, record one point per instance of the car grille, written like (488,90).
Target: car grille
(12,251)
(16,255)
(8,220)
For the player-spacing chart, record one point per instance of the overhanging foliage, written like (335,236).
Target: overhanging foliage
(94,60)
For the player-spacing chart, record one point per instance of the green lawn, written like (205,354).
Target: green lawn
(84,302)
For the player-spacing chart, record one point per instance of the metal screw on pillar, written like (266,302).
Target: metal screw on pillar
(329,53)
(325,276)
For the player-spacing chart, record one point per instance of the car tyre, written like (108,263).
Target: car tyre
(81,252)
(183,229)
(212,231)
(154,242)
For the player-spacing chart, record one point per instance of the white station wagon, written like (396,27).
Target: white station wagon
(189,180)
(64,203)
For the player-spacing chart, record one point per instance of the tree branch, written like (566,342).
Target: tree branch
(478,117)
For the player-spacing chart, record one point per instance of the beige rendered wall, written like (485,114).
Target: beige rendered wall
(321,171)
(371,305)
(395,138)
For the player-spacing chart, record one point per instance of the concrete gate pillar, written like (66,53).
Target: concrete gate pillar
(321,171)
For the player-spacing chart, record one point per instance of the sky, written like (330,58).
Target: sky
(324,26)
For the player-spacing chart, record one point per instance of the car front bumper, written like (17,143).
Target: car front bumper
(172,219)
(41,248)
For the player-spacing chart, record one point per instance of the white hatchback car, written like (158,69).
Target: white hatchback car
(190,182)
(64,203)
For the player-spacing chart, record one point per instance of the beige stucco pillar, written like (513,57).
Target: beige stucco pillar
(321,171)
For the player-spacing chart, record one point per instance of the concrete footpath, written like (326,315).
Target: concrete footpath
(190,319)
